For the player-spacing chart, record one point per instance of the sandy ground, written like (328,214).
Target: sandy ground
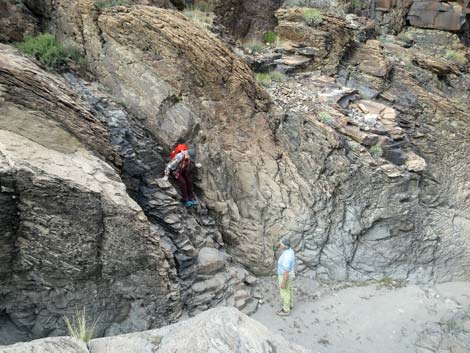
(373,318)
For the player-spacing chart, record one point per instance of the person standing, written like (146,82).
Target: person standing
(179,168)
(286,273)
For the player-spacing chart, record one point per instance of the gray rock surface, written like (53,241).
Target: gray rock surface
(48,345)
(67,218)
(221,330)
(268,170)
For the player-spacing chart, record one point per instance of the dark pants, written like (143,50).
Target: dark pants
(185,183)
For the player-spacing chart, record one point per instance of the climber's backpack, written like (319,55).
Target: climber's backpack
(178,149)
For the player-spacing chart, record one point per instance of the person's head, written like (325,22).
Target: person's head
(285,243)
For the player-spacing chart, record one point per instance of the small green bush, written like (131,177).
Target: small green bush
(356,4)
(256,47)
(386,281)
(458,58)
(325,118)
(263,78)
(277,76)
(267,78)
(312,17)
(79,328)
(271,37)
(48,50)
(103,4)
(376,151)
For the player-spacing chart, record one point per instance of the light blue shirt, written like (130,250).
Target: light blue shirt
(286,262)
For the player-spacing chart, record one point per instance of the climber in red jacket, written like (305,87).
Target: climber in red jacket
(179,167)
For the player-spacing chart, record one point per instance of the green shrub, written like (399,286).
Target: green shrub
(458,58)
(325,118)
(376,151)
(356,4)
(103,4)
(48,50)
(79,328)
(267,78)
(277,76)
(312,17)
(263,78)
(256,47)
(271,37)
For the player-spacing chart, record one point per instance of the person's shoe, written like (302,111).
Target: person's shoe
(194,202)
(188,203)
(283,313)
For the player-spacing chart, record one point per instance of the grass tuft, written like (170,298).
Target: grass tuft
(267,78)
(271,37)
(325,118)
(456,57)
(376,151)
(256,47)
(312,17)
(79,328)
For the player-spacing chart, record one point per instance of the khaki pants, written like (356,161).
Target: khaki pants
(287,294)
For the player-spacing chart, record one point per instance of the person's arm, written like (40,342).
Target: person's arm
(285,277)
(173,164)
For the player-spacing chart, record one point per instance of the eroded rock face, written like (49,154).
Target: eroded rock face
(16,21)
(328,41)
(436,14)
(69,219)
(247,19)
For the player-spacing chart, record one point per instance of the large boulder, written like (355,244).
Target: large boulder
(438,14)
(221,330)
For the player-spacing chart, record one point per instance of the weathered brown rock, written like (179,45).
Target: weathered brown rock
(30,87)
(438,14)
(246,19)
(331,38)
(16,21)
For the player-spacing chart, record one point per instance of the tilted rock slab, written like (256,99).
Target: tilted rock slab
(221,330)
(70,236)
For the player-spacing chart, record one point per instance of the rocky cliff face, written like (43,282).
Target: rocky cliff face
(68,217)
(297,162)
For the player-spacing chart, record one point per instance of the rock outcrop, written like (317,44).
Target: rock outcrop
(247,19)
(67,217)
(325,43)
(438,14)
(222,330)
(16,21)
